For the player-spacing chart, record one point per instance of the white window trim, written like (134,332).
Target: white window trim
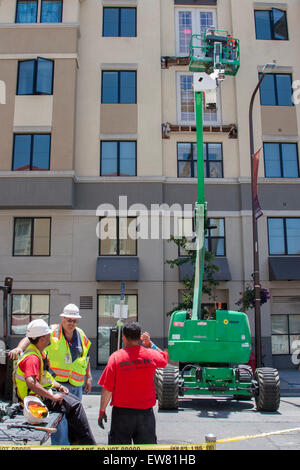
(195,23)
(218,121)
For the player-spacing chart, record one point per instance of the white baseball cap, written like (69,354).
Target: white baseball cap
(37,328)
(71,311)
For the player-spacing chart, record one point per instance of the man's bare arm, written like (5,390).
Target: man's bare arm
(13,354)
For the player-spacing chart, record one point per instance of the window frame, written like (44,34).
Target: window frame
(208,237)
(31,255)
(190,122)
(35,77)
(118,158)
(117,295)
(196,25)
(118,86)
(117,218)
(281,159)
(119,21)
(288,334)
(31,151)
(284,235)
(56,22)
(271,23)
(30,314)
(194,160)
(37,9)
(274,75)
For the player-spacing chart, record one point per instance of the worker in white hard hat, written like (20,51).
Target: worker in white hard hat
(33,378)
(68,358)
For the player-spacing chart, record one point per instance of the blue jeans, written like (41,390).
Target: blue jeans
(60,437)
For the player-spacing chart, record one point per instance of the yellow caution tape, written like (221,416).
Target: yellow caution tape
(172,447)
(256,436)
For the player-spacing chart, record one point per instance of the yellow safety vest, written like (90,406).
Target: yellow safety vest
(45,378)
(60,358)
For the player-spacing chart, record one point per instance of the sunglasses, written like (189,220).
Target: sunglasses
(70,320)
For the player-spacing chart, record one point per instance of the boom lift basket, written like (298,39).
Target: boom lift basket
(214,49)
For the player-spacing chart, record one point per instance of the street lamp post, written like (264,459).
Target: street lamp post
(256,277)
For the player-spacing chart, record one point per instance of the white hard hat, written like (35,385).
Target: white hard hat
(32,419)
(37,328)
(71,311)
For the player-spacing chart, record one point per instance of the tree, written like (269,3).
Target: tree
(209,283)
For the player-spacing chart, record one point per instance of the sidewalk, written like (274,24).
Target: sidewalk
(289,381)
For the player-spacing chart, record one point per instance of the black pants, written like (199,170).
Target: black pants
(129,425)
(79,429)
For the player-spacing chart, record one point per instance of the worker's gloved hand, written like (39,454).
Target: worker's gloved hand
(101,418)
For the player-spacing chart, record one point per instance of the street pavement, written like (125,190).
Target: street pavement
(222,416)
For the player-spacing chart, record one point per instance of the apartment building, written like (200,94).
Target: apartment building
(99,117)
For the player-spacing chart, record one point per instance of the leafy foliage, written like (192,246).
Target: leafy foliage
(247,299)
(209,271)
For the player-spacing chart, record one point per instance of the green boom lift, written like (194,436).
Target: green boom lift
(212,353)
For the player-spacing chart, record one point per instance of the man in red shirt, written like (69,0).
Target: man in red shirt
(128,382)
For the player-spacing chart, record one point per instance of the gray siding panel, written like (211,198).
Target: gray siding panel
(117,268)
(284,268)
(36,193)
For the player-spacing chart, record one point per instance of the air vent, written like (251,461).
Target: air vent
(286,300)
(86,303)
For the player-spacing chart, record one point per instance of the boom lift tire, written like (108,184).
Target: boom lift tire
(167,387)
(268,396)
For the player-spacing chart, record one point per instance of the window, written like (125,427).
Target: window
(285,330)
(31,152)
(271,24)
(50,11)
(281,160)
(106,320)
(284,236)
(35,77)
(28,307)
(118,158)
(26,11)
(190,22)
(119,22)
(118,236)
(208,311)
(187,160)
(276,90)
(215,237)
(186,103)
(32,236)
(118,87)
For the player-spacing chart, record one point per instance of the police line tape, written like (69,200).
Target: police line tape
(172,447)
(256,436)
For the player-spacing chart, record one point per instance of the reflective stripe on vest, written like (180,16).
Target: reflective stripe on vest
(59,350)
(45,378)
